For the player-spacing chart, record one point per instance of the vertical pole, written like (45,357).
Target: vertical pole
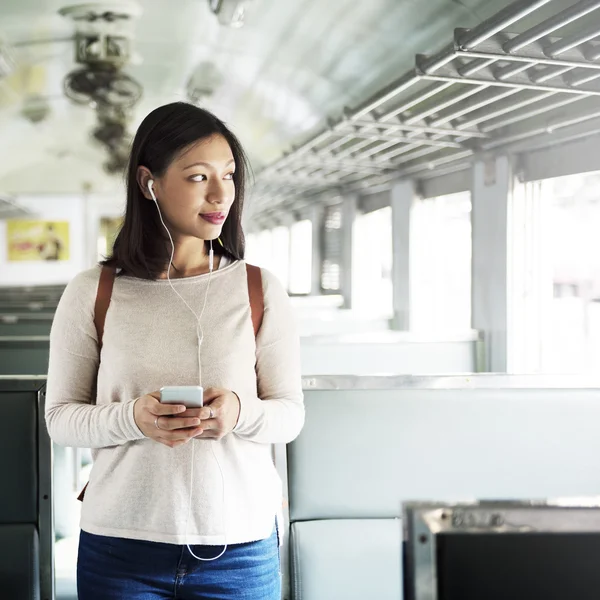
(317,214)
(349,208)
(491,197)
(403,195)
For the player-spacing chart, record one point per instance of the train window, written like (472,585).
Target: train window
(372,263)
(556,277)
(259,248)
(301,257)
(440,264)
(280,257)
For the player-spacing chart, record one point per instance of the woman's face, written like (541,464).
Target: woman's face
(197,190)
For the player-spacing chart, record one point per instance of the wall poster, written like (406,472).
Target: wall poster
(109,228)
(30,240)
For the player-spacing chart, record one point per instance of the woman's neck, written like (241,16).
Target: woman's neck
(190,259)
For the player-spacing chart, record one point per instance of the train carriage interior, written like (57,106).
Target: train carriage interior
(423,186)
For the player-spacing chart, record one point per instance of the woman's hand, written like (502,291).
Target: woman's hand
(219,415)
(158,421)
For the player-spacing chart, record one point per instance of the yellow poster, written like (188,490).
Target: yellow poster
(37,240)
(109,228)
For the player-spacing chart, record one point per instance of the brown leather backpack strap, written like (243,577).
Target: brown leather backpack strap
(255,293)
(103,296)
(82,493)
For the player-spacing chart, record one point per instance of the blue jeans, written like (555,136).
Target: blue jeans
(121,569)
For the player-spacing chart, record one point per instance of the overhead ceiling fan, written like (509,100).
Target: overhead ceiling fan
(103,47)
(103,43)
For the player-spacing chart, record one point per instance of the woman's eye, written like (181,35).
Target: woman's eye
(229,176)
(198,178)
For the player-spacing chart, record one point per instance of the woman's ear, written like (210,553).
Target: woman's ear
(143,177)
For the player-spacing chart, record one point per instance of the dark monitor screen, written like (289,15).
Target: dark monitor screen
(501,551)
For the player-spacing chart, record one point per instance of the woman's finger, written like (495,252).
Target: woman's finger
(171,423)
(210,424)
(159,410)
(179,435)
(212,393)
(213,434)
(192,412)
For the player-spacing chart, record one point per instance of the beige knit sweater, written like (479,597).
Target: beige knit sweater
(139,488)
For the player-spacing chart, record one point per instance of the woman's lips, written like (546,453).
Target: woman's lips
(214,218)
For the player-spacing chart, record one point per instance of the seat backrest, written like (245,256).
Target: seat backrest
(24,325)
(391,353)
(24,355)
(26,531)
(363,452)
(18,457)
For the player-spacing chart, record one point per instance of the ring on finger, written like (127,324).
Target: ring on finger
(211,412)
(156,423)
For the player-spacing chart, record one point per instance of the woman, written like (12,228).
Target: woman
(165,477)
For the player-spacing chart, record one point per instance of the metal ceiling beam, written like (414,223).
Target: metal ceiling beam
(375,101)
(530,61)
(505,18)
(414,142)
(548,73)
(462,94)
(404,107)
(345,166)
(540,130)
(420,153)
(512,84)
(550,25)
(502,109)
(478,103)
(476,65)
(414,128)
(432,91)
(515,118)
(398,139)
(575,80)
(416,99)
(572,41)
(415,147)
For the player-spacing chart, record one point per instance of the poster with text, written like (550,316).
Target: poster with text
(37,240)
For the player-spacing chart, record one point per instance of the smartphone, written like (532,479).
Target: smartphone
(191,396)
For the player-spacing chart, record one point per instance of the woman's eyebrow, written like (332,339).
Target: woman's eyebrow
(205,164)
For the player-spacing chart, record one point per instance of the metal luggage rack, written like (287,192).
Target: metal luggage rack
(490,90)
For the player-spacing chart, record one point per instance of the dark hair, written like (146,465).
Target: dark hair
(141,248)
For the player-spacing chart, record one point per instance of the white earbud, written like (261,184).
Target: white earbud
(151,189)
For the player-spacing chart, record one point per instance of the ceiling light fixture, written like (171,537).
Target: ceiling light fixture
(230,13)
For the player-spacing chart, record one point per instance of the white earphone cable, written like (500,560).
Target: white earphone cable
(200,334)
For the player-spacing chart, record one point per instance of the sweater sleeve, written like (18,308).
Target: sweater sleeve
(277,415)
(72,417)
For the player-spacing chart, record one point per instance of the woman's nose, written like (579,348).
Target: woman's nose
(217,192)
